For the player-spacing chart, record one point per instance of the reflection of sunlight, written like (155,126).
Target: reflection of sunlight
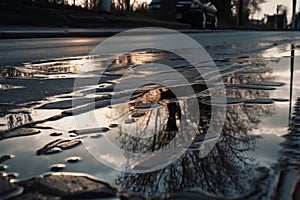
(160,120)
(279,52)
(115,161)
(138,58)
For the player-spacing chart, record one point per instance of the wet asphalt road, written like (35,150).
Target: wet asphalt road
(17,51)
(219,44)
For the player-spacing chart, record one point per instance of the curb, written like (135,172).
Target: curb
(52,34)
(70,33)
(55,34)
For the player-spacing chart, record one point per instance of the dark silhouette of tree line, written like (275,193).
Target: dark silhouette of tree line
(86,4)
(227,9)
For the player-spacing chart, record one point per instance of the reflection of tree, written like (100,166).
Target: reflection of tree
(222,171)
(163,129)
(226,169)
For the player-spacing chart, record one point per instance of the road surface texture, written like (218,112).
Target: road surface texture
(17,51)
(44,154)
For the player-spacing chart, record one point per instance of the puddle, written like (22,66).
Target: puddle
(59,68)
(258,111)
(9,87)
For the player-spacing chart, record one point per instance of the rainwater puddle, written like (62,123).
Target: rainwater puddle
(9,87)
(73,124)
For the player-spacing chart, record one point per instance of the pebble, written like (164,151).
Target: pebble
(258,101)
(3,167)
(58,145)
(57,167)
(89,131)
(96,136)
(54,150)
(280,99)
(56,134)
(5,158)
(12,175)
(73,159)
(275,84)
(137,115)
(113,125)
(73,135)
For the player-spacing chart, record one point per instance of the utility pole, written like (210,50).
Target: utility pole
(291,80)
(276,18)
(294,15)
(240,13)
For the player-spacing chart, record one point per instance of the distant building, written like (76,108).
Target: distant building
(278,22)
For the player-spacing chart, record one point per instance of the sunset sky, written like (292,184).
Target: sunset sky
(267,8)
(270,7)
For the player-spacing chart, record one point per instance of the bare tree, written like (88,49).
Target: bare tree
(254,6)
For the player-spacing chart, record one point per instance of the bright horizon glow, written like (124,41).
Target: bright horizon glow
(270,8)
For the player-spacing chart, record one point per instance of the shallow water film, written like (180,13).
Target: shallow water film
(40,109)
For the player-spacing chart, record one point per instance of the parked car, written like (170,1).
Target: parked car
(154,6)
(198,13)
(201,14)
(182,6)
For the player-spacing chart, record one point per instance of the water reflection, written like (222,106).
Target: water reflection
(223,171)
(43,69)
(68,67)
(157,126)
(153,113)
(9,87)
(226,168)
(228,163)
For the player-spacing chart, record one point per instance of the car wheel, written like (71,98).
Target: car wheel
(202,24)
(215,23)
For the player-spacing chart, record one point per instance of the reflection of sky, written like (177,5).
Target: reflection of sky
(27,164)
(267,150)
(24,148)
(271,129)
(279,52)
(270,7)
(278,123)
